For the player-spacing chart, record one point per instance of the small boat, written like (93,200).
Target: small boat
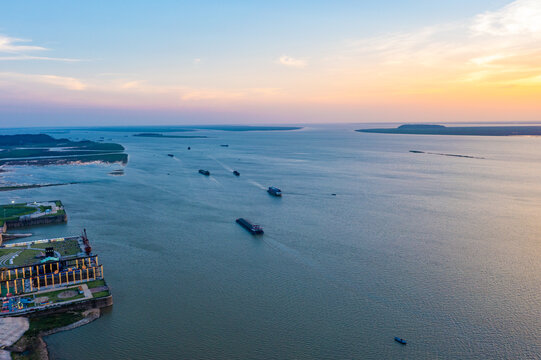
(400,340)
(254,229)
(274,191)
(189,148)
(171,155)
(224,145)
(236,173)
(204,172)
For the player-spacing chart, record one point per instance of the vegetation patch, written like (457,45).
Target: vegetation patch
(14,211)
(101,294)
(64,248)
(31,345)
(26,257)
(45,323)
(57,296)
(95,284)
(42,149)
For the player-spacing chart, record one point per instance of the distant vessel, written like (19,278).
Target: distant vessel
(254,229)
(204,172)
(189,148)
(236,173)
(274,191)
(171,155)
(225,145)
(400,340)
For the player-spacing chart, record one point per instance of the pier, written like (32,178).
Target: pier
(52,274)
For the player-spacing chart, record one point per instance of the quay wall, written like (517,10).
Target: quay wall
(57,219)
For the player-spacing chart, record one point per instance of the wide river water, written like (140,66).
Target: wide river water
(442,251)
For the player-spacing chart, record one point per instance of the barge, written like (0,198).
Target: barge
(274,191)
(252,228)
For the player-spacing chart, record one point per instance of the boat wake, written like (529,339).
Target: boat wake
(257,184)
(216,181)
(221,164)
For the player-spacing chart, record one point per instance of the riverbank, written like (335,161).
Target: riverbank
(413,129)
(31,186)
(32,345)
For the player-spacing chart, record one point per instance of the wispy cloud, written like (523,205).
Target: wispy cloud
(521,17)
(68,83)
(290,61)
(18,50)
(494,47)
(13,45)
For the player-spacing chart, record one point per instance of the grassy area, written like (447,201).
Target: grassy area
(44,323)
(101,294)
(66,247)
(115,157)
(30,342)
(7,251)
(26,257)
(53,295)
(13,211)
(44,208)
(95,284)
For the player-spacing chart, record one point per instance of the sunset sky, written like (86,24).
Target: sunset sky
(190,62)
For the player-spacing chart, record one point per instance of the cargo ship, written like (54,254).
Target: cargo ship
(204,172)
(274,191)
(254,229)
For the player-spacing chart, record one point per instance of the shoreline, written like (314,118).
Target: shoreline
(36,345)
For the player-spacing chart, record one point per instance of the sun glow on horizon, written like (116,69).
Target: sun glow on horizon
(488,62)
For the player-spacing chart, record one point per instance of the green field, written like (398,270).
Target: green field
(53,295)
(13,211)
(44,323)
(41,149)
(101,294)
(28,256)
(65,248)
(95,284)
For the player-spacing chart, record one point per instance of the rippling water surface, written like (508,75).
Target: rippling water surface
(442,251)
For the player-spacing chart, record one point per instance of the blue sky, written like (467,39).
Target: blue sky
(195,61)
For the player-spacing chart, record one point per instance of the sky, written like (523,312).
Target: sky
(110,62)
